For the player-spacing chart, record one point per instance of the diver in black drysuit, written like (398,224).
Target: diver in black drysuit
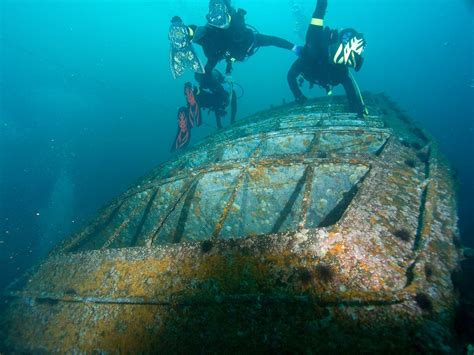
(217,102)
(316,66)
(235,42)
(197,98)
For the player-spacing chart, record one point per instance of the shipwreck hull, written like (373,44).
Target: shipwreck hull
(300,228)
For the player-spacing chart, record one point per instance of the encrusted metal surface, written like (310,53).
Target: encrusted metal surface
(295,226)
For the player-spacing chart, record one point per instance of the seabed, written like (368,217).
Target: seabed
(300,229)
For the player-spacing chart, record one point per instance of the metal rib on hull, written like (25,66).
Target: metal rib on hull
(299,228)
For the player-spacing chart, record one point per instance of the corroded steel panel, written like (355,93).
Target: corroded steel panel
(303,228)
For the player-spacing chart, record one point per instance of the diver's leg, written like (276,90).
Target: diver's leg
(266,41)
(218,121)
(315,29)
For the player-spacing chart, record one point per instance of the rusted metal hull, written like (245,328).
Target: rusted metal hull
(300,229)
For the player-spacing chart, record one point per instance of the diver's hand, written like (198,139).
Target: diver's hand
(228,79)
(298,50)
(363,113)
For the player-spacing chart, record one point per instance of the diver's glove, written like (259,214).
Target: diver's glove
(364,113)
(298,50)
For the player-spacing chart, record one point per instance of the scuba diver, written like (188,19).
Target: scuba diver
(225,36)
(198,98)
(218,102)
(326,58)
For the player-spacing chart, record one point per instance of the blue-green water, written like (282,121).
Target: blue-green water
(88,103)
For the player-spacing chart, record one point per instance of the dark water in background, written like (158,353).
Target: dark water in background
(88,104)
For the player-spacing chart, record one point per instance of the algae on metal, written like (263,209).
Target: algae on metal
(280,233)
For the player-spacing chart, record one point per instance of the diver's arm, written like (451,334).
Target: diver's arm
(293,73)
(266,41)
(320,11)
(316,26)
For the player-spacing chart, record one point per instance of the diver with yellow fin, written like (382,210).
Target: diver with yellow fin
(326,58)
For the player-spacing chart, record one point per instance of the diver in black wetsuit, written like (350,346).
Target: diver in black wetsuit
(197,98)
(218,103)
(326,58)
(226,36)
